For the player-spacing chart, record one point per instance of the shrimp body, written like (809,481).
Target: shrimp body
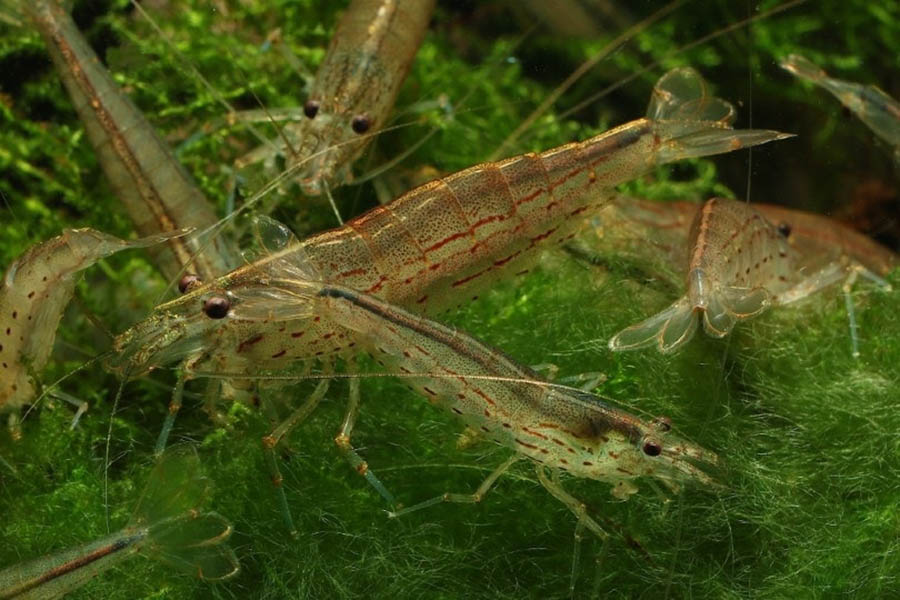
(562,428)
(878,111)
(439,244)
(555,426)
(34,292)
(354,89)
(742,259)
(166,525)
(157,193)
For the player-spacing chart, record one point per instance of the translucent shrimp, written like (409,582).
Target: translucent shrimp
(558,428)
(166,525)
(440,243)
(741,259)
(876,109)
(34,292)
(354,91)
(157,193)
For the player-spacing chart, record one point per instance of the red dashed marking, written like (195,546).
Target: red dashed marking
(353,272)
(447,240)
(527,445)
(543,236)
(247,343)
(483,395)
(378,285)
(578,211)
(465,280)
(535,433)
(297,334)
(503,261)
(279,354)
(530,197)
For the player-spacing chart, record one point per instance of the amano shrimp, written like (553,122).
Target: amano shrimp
(167,525)
(560,429)
(34,293)
(740,259)
(156,191)
(439,244)
(353,92)
(877,110)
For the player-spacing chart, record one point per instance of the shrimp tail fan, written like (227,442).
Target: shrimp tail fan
(691,122)
(668,330)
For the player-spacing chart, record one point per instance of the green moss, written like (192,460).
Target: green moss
(807,434)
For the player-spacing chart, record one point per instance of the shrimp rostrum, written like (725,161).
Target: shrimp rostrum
(740,259)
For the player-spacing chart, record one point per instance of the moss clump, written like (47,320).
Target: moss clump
(807,433)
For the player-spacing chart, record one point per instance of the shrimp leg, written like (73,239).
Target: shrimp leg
(342,440)
(270,441)
(473,498)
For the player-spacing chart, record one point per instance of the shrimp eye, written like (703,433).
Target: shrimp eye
(189,281)
(311,108)
(652,449)
(216,307)
(361,123)
(662,424)
(784,229)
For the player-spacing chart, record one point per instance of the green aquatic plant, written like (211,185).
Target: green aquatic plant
(806,433)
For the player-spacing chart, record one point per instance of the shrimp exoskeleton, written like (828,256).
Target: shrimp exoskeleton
(741,259)
(166,525)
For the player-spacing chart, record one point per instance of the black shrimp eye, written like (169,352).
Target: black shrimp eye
(784,229)
(189,281)
(361,123)
(216,307)
(662,424)
(652,449)
(311,108)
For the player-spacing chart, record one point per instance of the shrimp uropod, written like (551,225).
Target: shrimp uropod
(739,259)
(876,109)
(167,524)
